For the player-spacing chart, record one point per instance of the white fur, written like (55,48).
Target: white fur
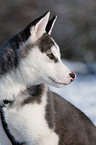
(10,86)
(39,29)
(29,124)
(34,69)
(41,25)
(41,67)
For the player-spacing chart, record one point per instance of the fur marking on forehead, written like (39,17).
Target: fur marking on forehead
(45,43)
(27,48)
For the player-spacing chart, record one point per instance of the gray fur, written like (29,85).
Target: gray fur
(27,48)
(32,94)
(70,124)
(45,43)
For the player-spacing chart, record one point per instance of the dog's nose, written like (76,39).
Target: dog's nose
(73,76)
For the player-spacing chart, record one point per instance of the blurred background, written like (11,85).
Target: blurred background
(75,32)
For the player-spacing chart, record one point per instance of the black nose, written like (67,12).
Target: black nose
(72,75)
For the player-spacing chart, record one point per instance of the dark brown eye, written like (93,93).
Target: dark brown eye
(51,56)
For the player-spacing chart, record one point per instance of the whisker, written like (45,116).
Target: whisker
(63,49)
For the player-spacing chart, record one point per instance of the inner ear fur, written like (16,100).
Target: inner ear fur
(40,27)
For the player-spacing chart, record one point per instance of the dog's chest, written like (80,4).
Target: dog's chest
(28,123)
(30,117)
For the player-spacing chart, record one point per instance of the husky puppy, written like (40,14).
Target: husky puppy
(31,114)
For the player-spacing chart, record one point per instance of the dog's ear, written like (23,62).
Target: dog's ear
(50,25)
(39,27)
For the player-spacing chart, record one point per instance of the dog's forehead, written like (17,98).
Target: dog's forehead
(45,43)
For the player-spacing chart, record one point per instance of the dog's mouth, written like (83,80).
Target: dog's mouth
(56,81)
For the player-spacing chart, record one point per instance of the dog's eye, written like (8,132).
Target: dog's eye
(51,56)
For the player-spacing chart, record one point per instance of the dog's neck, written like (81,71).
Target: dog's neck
(11,85)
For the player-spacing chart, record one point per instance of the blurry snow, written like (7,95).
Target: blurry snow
(81,92)
(80,67)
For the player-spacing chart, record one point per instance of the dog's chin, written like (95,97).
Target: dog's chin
(56,84)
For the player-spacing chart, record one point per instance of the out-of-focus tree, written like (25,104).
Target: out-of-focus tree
(75,28)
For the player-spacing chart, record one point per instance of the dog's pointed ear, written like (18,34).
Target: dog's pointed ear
(50,25)
(39,27)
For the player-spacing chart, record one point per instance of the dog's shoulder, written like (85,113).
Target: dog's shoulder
(72,123)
